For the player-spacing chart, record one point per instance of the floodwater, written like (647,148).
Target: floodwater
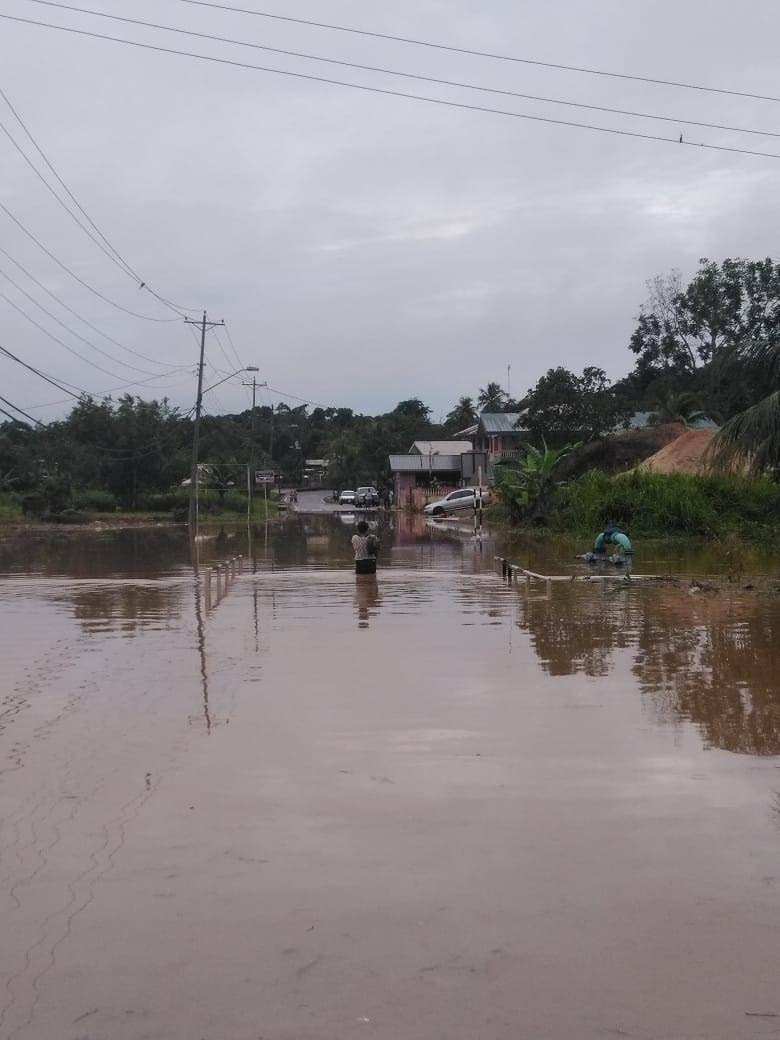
(419,807)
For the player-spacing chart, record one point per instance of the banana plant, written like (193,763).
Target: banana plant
(527,486)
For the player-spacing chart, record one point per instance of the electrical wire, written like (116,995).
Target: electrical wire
(222,349)
(57,340)
(42,375)
(657,81)
(112,253)
(105,393)
(80,317)
(13,418)
(53,317)
(292,397)
(411,75)
(20,410)
(64,267)
(385,91)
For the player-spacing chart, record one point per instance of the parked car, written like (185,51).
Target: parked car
(367,497)
(347,498)
(455,502)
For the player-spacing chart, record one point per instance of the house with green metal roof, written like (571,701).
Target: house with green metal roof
(499,435)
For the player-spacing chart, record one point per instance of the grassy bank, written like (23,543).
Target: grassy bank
(10,510)
(653,504)
(90,506)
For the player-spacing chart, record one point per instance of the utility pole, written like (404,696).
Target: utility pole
(193,510)
(254,384)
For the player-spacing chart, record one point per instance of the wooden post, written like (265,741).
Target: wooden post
(207,590)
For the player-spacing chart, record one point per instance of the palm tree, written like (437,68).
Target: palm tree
(679,406)
(491,398)
(462,415)
(752,438)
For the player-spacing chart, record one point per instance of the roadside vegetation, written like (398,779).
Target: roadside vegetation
(706,350)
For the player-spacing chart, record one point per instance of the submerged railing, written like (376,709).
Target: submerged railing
(218,579)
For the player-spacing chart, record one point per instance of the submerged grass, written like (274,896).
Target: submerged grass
(677,504)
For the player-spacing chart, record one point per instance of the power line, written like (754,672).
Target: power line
(56,339)
(13,418)
(112,253)
(64,267)
(385,91)
(106,393)
(222,349)
(42,375)
(294,398)
(21,411)
(657,81)
(412,75)
(80,317)
(53,317)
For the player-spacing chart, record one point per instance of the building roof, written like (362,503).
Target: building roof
(426,463)
(470,431)
(440,447)
(641,420)
(500,422)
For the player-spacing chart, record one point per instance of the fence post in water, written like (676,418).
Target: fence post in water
(207,590)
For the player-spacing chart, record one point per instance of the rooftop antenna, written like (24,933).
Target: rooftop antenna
(508,381)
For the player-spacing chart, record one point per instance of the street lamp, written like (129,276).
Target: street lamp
(193,510)
(249,368)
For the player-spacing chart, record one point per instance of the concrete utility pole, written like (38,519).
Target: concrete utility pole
(193,510)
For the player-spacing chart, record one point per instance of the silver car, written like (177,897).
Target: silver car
(455,502)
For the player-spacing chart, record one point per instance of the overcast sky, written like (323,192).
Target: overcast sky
(362,248)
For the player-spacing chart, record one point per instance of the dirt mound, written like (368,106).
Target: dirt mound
(685,454)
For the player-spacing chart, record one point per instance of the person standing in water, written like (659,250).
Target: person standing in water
(365,547)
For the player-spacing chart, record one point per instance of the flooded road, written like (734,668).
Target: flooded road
(419,807)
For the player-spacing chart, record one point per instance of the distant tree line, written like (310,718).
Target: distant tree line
(711,347)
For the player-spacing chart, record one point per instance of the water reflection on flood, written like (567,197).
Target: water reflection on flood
(708,659)
(274,780)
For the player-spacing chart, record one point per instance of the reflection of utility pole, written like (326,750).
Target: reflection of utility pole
(193,510)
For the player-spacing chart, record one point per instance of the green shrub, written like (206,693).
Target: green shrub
(10,507)
(161,501)
(660,504)
(94,500)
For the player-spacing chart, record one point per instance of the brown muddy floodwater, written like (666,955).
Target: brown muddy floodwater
(423,807)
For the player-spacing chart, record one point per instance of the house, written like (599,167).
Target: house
(314,471)
(498,435)
(433,468)
(641,420)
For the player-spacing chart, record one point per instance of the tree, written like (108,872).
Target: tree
(412,409)
(564,406)
(682,331)
(527,486)
(491,398)
(463,415)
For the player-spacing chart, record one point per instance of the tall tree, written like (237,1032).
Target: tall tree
(564,406)
(464,414)
(491,398)
(682,330)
